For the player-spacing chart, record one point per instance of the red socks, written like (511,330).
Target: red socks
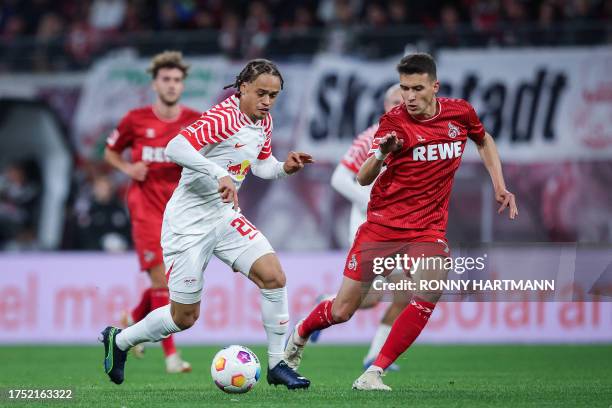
(320,318)
(159,298)
(143,308)
(404,331)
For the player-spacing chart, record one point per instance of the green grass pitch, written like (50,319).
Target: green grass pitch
(431,376)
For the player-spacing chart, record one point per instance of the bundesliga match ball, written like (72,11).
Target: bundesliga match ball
(235,369)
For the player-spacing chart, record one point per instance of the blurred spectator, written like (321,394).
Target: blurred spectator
(341,27)
(257,27)
(376,21)
(398,15)
(580,13)
(204,20)
(19,201)
(168,18)
(376,16)
(485,17)
(48,45)
(101,219)
(296,33)
(133,17)
(107,15)
(229,38)
(606,18)
(14,27)
(513,13)
(448,34)
(82,40)
(548,16)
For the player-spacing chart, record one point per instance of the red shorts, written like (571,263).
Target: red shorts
(375,241)
(146,236)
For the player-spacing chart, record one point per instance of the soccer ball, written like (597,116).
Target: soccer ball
(235,369)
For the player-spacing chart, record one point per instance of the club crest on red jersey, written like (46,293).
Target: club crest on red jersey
(453,131)
(150,133)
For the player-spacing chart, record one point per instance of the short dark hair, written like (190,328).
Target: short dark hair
(168,59)
(254,69)
(418,63)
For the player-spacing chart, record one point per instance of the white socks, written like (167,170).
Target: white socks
(275,317)
(375,369)
(378,341)
(155,326)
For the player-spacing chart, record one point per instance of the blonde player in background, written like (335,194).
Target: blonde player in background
(203,218)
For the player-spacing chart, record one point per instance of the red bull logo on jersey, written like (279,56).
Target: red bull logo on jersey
(240,170)
(439,151)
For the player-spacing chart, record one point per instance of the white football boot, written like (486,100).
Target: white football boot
(175,364)
(294,348)
(371,380)
(126,321)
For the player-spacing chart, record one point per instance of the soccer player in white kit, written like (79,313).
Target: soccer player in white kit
(344,182)
(203,218)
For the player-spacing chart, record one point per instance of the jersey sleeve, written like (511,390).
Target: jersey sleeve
(388,124)
(122,136)
(266,149)
(214,126)
(475,129)
(358,152)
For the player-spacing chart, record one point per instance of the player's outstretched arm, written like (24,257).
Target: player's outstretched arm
(343,181)
(137,171)
(490,158)
(296,162)
(370,169)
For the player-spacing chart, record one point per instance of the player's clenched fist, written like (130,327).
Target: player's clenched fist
(390,143)
(296,161)
(137,171)
(228,192)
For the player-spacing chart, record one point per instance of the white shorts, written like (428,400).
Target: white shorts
(233,239)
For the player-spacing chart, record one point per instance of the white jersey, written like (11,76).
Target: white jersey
(232,143)
(352,161)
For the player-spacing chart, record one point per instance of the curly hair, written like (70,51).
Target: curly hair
(254,69)
(168,59)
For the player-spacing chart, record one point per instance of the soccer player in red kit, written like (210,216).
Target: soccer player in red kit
(421,142)
(147,131)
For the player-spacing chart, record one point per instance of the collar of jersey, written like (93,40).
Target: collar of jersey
(428,119)
(236,105)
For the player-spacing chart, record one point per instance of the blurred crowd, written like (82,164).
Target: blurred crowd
(96,217)
(68,34)
(20,195)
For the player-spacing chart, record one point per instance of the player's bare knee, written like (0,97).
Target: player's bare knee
(185,317)
(278,280)
(274,280)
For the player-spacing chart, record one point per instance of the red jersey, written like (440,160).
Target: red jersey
(415,189)
(147,135)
